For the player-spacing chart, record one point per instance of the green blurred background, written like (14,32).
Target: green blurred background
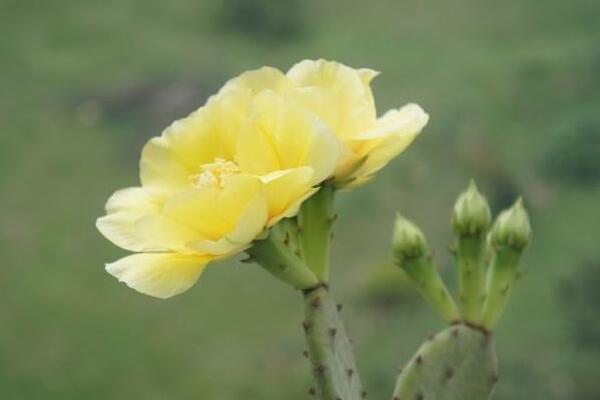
(513,90)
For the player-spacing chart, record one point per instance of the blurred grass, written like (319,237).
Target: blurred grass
(511,87)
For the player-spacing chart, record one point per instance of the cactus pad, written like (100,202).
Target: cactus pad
(459,363)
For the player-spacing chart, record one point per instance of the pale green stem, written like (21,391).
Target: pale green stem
(425,275)
(500,280)
(470,254)
(315,222)
(276,255)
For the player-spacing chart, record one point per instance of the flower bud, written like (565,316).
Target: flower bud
(512,228)
(408,241)
(472,215)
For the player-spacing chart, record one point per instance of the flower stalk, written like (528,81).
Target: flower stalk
(277,256)
(315,224)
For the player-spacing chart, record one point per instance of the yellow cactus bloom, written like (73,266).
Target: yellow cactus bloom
(341,97)
(212,182)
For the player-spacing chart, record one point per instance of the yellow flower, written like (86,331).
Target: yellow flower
(341,97)
(215,180)
(212,182)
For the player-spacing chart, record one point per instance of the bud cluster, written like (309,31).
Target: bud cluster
(486,273)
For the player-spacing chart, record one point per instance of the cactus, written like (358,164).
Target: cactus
(459,363)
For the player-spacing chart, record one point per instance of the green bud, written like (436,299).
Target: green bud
(412,255)
(472,215)
(512,228)
(408,242)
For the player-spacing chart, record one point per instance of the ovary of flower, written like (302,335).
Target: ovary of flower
(212,175)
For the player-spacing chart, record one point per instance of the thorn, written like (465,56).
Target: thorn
(320,370)
(332,332)
(430,336)
(312,391)
(305,353)
(419,359)
(419,396)
(283,267)
(306,326)
(363,394)
(494,379)
(448,374)
(454,333)
(504,290)
(286,239)
(339,307)
(350,372)
(316,303)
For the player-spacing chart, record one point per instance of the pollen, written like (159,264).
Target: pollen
(214,174)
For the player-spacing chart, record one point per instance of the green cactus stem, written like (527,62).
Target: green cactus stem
(424,274)
(278,254)
(459,363)
(470,255)
(500,281)
(315,222)
(329,349)
(412,255)
(509,237)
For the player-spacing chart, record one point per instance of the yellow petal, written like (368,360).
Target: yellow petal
(216,220)
(250,224)
(286,190)
(392,133)
(206,134)
(367,75)
(337,93)
(282,135)
(124,208)
(161,275)
(164,233)
(265,78)
(160,169)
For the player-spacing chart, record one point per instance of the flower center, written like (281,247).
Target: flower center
(213,175)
